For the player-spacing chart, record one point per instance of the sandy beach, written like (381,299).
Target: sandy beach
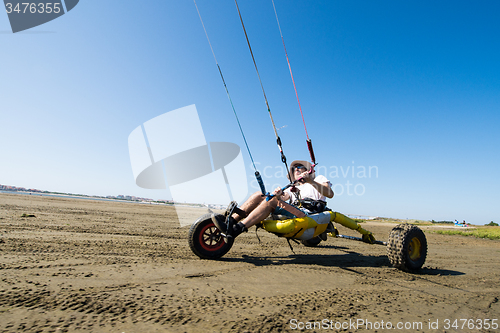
(98,266)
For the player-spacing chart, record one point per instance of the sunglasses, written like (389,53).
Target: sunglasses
(299,167)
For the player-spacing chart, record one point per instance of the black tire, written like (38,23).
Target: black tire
(205,239)
(311,242)
(407,247)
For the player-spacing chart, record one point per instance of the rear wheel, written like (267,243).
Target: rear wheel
(407,247)
(205,239)
(311,242)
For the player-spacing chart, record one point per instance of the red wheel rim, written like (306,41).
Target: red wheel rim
(210,238)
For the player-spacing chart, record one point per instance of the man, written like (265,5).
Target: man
(257,208)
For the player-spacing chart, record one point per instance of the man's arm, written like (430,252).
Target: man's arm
(322,188)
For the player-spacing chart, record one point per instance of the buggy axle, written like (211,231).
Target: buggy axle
(360,239)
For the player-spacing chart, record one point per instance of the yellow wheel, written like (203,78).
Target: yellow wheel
(414,249)
(407,247)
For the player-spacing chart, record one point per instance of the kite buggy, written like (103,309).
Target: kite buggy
(406,247)
(211,236)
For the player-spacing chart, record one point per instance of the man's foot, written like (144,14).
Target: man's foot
(220,222)
(238,228)
(228,227)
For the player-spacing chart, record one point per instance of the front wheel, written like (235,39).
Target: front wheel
(205,239)
(407,247)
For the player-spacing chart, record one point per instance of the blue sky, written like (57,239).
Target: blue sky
(411,89)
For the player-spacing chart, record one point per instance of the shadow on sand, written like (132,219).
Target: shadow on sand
(347,260)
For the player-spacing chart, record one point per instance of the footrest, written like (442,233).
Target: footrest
(233,208)
(230,208)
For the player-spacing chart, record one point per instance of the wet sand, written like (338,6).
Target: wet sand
(96,266)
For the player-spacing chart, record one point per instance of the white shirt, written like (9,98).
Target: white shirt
(308,191)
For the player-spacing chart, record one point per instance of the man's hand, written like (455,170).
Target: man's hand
(305,177)
(278,192)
